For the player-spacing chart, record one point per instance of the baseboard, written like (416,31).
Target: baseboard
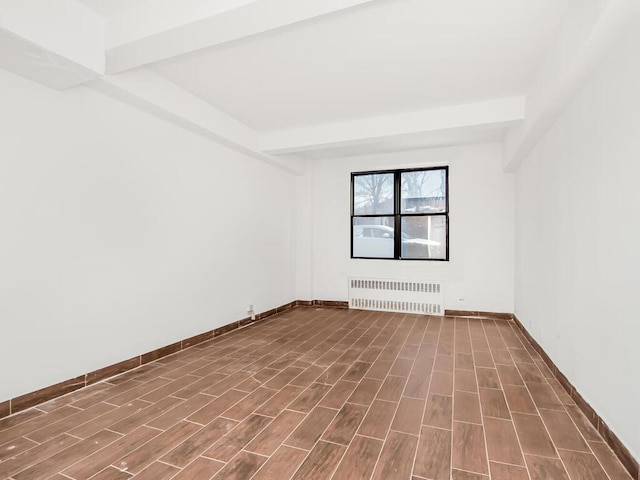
(476,314)
(621,451)
(330,303)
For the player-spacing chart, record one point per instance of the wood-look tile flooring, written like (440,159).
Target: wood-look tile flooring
(320,394)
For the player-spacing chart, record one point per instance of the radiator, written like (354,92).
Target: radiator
(409,296)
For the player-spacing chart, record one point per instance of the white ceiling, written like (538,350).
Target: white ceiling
(111,8)
(285,79)
(108,8)
(382,58)
(130,20)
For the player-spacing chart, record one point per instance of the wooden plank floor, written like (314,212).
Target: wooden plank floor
(318,394)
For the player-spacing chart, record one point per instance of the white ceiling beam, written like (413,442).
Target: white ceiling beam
(249,19)
(151,93)
(132,20)
(588,31)
(36,63)
(59,43)
(498,113)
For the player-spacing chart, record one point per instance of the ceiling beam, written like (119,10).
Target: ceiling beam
(59,43)
(588,31)
(249,19)
(32,61)
(500,113)
(151,93)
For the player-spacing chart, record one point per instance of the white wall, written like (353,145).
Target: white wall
(304,240)
(578,241)
(480,269)
(121,233)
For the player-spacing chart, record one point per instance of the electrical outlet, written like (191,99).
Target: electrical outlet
(251,312)
(461,299)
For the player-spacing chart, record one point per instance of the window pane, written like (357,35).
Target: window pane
(424,237)
(373,237)
(424,191)
(373,194)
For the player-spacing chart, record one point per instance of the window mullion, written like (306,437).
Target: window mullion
(397,222)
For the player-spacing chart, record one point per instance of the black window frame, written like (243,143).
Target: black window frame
(397,212)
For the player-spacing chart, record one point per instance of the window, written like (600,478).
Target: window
(400,214)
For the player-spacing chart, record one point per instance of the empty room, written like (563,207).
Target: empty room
(319,239)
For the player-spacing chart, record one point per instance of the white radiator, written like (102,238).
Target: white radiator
(409,296)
